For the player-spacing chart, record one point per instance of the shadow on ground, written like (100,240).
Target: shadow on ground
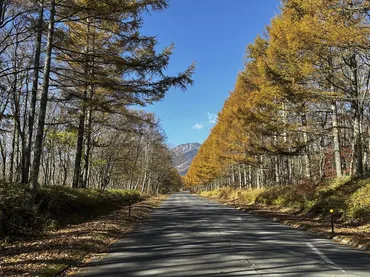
(190,236)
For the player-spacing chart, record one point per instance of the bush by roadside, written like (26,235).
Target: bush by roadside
(23,213)
(307,207)
(350,199)
(58,251)
(228,193)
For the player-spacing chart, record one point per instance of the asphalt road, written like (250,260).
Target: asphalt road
(191,236)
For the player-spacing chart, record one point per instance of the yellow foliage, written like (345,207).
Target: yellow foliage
(285,73)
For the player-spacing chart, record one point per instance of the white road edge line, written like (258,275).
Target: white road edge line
(324,258)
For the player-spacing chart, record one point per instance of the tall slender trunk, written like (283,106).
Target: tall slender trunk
(17,159)
(15,106)
(149,180)
(143,188)
(90,70)
(78,158)
(31,118)
(289,167)
(287,161)
(357,169)
(24,137)
(335,131)
(322,158)
(276,171)
(258,179)
(240,177)
(336,141)
(43,101)
(306,157)
(77,180)
(3,158)
(12,154)
(245,175)
(232,175)
(87,149)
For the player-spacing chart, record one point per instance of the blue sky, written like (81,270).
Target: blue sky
(214,34)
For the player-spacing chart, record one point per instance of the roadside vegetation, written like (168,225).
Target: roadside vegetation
(60,250)
(25,214)
(308,207)
(350,199)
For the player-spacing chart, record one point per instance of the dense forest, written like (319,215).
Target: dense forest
(71,74)
(299,112)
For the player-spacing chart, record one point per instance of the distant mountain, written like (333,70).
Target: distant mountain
(183,155)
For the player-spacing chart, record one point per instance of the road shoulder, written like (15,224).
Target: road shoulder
(354,235)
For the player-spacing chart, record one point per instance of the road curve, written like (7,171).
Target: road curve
(190,236)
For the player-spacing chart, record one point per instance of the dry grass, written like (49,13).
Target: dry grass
(59,251)
(227,193)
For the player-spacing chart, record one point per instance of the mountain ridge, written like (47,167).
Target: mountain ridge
(183,155)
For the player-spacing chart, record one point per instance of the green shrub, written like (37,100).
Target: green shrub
(223,193)
(301,197)
(23,213)
(350,198)
(249,196)
(360,204)
(245,196)
(69,205)
(338,195)
(18,213)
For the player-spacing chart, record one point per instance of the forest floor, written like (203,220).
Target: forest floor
(59,251)
(354,234)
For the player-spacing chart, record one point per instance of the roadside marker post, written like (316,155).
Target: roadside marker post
(332,220)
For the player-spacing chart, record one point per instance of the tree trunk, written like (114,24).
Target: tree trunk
(86,179)
(336,142)
(43,101)
(77,182)
(276,171)
(358,170)
(87,150)
(245,175)
(240,177)
(232,175)
(31,118)
(78,158)
(306,158)
(3,158)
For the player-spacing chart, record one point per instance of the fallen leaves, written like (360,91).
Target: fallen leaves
(59,250)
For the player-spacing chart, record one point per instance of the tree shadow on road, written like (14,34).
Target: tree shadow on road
(201,238)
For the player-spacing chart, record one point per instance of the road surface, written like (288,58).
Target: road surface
(191,236)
